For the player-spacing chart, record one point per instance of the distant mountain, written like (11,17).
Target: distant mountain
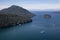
(16,10)
(15,15)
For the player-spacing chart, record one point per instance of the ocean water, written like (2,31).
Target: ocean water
(39,29)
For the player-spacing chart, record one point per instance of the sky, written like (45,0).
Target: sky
(32,4)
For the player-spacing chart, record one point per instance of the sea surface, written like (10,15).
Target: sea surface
(39,29)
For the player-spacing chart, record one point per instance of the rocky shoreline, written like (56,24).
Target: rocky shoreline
(14,24)
(12,20)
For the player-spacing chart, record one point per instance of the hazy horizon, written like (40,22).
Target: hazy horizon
(32,4)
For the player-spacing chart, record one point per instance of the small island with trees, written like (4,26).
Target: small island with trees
(47,16)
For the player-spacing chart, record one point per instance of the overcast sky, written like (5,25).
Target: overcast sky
(32,4)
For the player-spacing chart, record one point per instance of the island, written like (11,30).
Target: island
(14,15)
(47,16)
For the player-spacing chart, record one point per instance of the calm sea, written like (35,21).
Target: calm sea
(39,29)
